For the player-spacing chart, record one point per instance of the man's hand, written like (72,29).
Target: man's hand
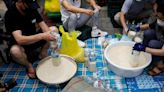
(125,31)
(48,36)
(139,47)
(89,12)
(96,8)
(134,27)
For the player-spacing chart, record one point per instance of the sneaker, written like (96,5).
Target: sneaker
(97,32)
(80,43)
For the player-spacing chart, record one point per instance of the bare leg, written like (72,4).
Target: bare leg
(19,55)
(43,52)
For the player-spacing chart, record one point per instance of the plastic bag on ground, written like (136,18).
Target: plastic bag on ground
(70,46)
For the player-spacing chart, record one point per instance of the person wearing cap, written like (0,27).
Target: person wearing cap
(76,13)
(153,41)
(21,22)
(134,10)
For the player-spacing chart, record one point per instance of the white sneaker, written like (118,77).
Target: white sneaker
(80,43)
(97,32)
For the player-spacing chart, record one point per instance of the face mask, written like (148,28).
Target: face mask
(160,23)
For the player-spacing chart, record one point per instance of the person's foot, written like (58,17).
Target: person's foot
(80,43)
(159,68)
(2,88)
(31,72)
(97,32)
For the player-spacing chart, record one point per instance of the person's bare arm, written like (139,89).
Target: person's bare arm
(157,52)
(93,3)
(25,40)
(144,26)
(123,22)
(74,9)
(45,28)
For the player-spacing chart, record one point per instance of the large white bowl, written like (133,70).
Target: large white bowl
(55,75)
(124,71)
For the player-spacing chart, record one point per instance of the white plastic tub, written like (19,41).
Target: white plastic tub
(51,74)
(124,71)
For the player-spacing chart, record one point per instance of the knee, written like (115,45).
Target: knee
(155,44)
(96,14)
(117,18)
(15,51)
(149,33)
(73,17)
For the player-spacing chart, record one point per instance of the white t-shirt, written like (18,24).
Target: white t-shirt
(65,14)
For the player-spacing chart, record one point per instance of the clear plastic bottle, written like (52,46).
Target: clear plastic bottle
(54,45)
(90,80)
(55,58)
(90,59)
(138,38)
(139,34)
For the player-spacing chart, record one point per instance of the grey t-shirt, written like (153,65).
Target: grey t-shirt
(132,8)
(127,4)
(65,13)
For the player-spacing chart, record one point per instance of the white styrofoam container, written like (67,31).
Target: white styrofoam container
(124,71)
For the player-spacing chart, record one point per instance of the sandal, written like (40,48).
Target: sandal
(2,88)
(31,75)
(156,71)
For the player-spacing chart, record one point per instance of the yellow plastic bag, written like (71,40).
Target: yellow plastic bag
(52,5)
(70,46)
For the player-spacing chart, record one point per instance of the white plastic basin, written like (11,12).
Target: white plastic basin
(51,74)
(125,71)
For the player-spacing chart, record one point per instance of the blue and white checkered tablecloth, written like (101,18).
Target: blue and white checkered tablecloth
(142,83)
(25,84)
(117,83)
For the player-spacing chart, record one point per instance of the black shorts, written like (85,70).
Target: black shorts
(32,51)
(34,46)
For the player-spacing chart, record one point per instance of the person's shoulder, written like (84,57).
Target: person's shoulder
(11,15)
(11,11)
(127,3)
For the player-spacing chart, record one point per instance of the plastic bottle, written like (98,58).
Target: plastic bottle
(54,45)
(139,34)
(90,59)
(90,80)
(55,58)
